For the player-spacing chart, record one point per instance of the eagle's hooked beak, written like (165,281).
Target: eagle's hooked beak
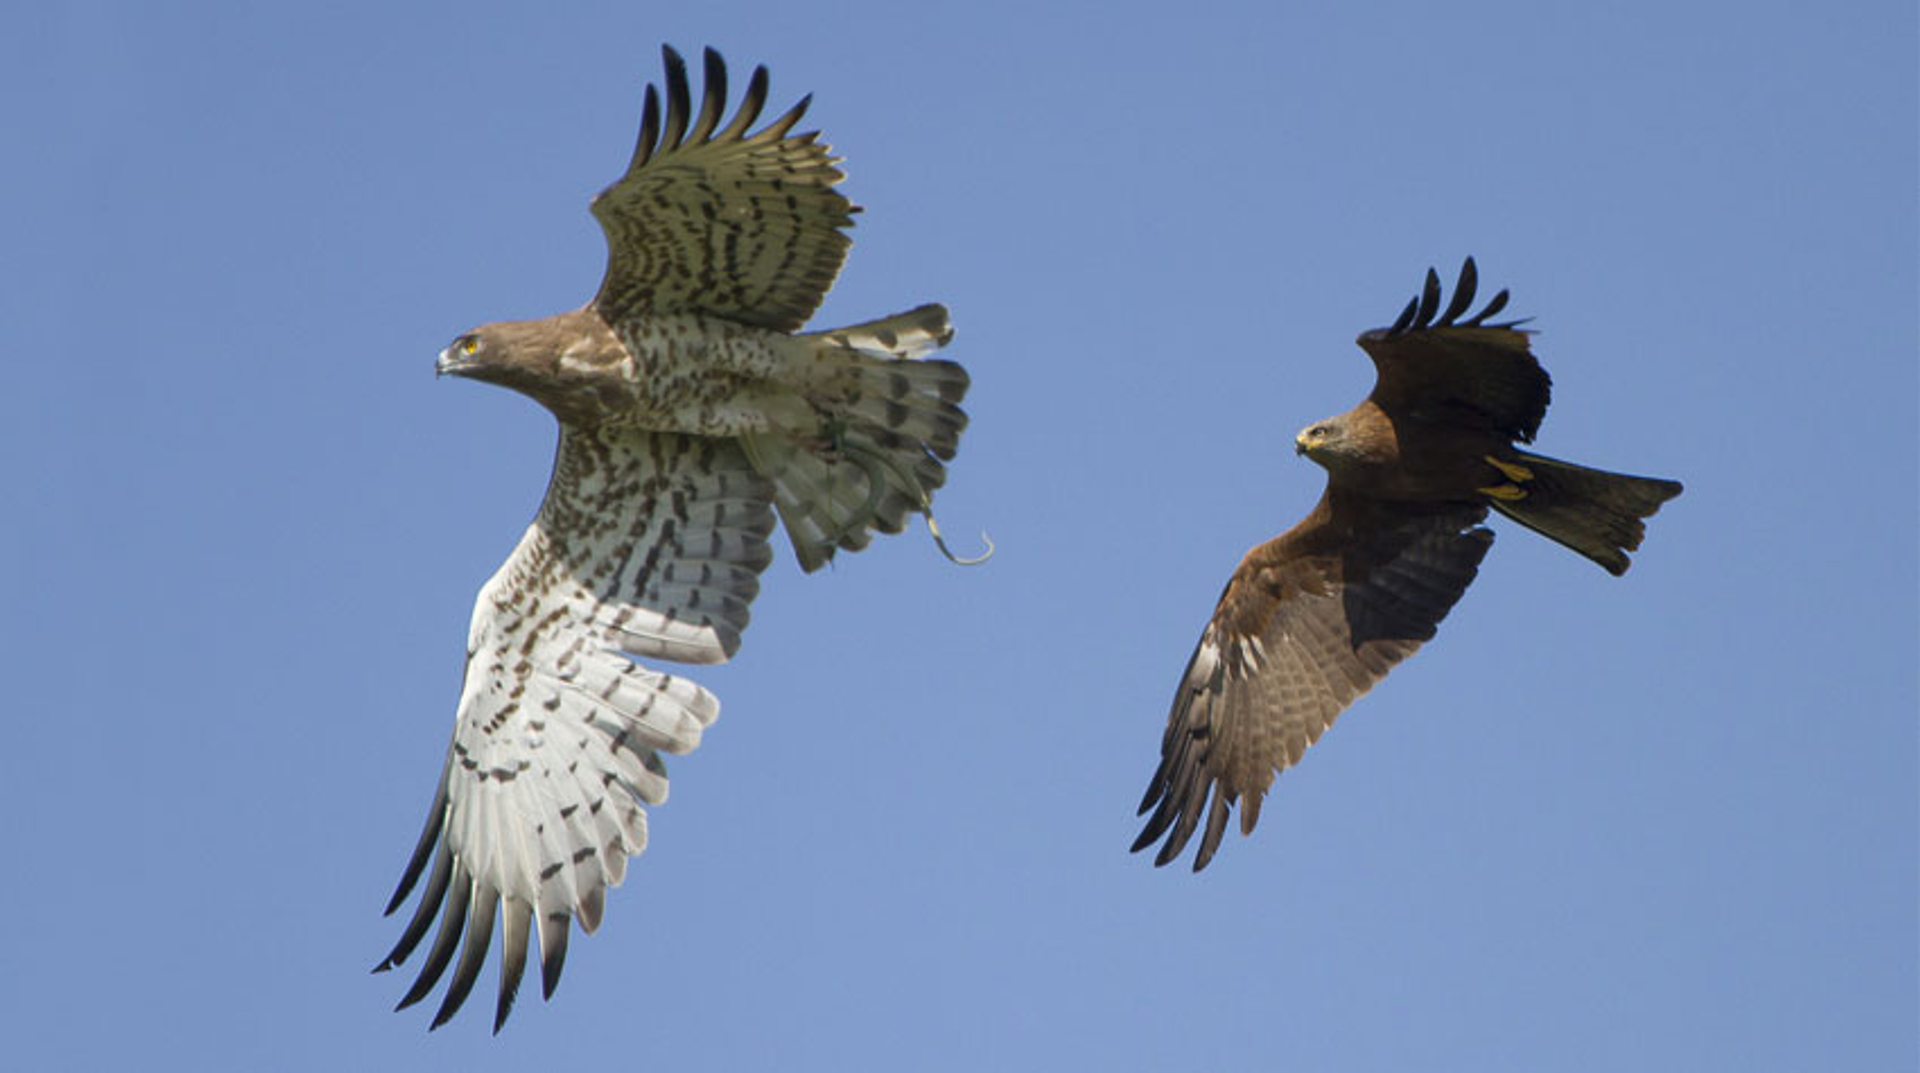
(1300,443)
(451,362)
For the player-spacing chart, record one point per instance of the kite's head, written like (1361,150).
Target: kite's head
(1322,441)
(1337,445)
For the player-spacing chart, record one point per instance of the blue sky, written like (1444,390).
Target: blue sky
(1662,821)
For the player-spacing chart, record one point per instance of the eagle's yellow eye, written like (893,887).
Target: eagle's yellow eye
(469,345)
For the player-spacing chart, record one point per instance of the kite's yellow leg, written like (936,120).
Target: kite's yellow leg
(1514,470)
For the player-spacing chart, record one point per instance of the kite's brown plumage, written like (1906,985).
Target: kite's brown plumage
(1314,617)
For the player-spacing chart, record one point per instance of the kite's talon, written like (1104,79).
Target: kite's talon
(1514,471)
(1506,492)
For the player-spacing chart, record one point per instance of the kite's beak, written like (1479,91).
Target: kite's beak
(1300,444)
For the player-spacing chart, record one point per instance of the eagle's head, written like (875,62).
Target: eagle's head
(570,363)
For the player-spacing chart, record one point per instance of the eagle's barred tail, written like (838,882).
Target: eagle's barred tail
(904,336)
(893,421)
(1596,513)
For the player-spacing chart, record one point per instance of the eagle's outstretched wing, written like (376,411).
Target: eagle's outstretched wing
(1465,373)
(1308,623)
(646,545)
(742,226)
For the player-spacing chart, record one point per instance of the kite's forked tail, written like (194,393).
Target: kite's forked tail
(892,420)
(1596,513)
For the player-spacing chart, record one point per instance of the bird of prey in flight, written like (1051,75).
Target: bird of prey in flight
(692,411)
(1317,615)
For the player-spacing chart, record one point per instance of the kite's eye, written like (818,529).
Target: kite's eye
(469,345)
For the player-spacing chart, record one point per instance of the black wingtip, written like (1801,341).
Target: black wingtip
(1158,800)
(1463,289)
(1156,788)
(453,922)
(1429,300)
(1405,319)
(713,98)
(679,99)
(1140,842)
(473,953)
(431,898)
(516,926)
(1419,313)
(424,849)
(501,1010)
(649,126)
(795,113)
(750,106)
(553,952)
(1162,826)
(1498,303)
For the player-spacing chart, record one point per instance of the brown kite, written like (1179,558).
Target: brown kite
(1317,615)
(691,410)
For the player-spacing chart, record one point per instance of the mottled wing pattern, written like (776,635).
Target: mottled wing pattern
(742,226)
(1308,623)
(646,545)
(1461,372)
